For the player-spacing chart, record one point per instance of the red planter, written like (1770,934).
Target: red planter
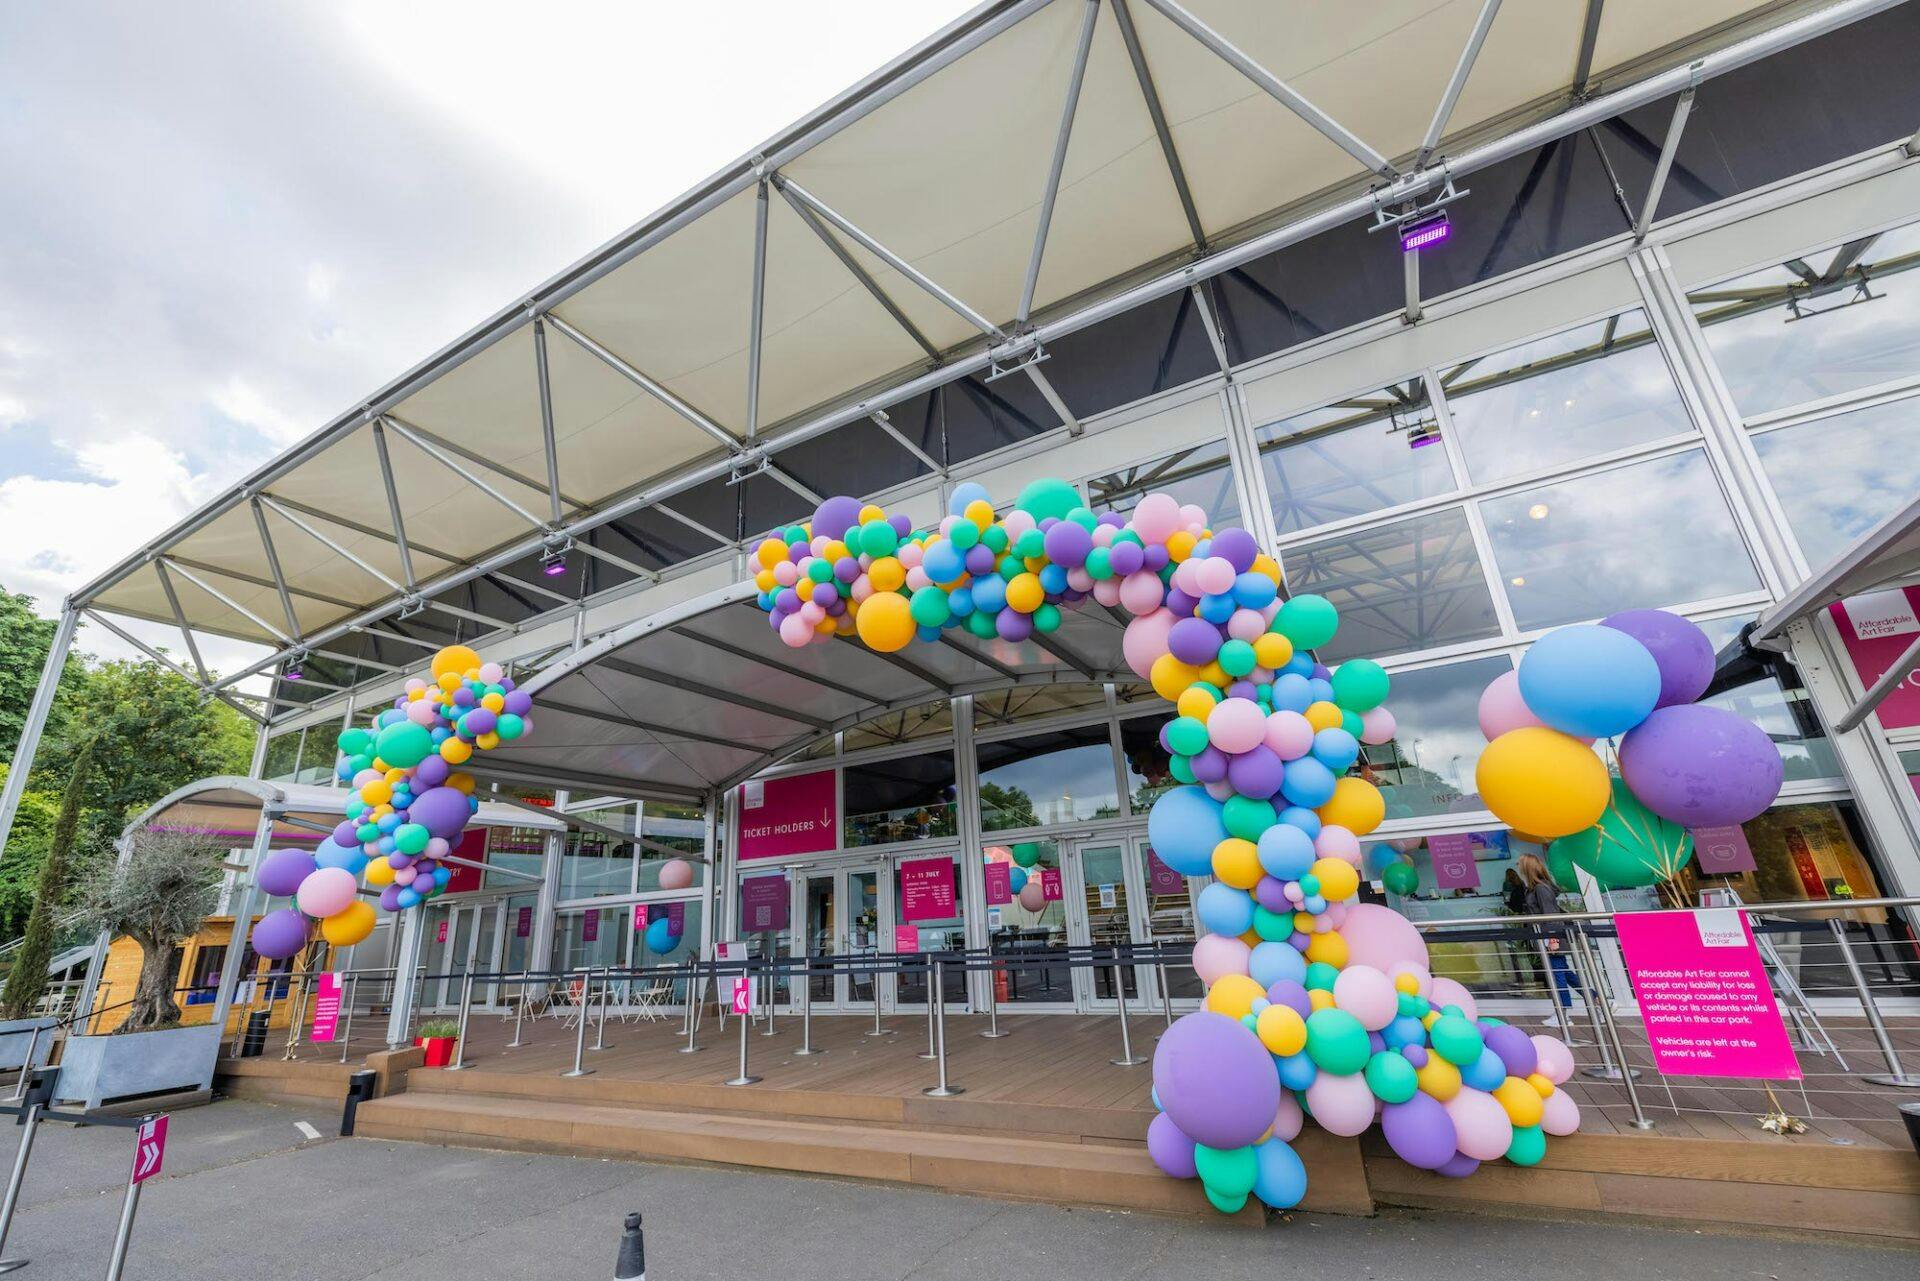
(439,1049)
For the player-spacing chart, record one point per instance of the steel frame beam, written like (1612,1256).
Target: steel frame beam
(1877,692)
(331,544)
(1137,55)
(231,603)
(231,700)
(549,443)
(393,504)
(720,435)
(691,686)
(1053,398)
(635,568)
(860,274)
(1589,39)
(885,424)
(273,565)
(480,460)
(180,618)
(37,712)
(1216,336)
(1283,93)
(447,460)
(1063,137)
(1664,166)
(1443,112)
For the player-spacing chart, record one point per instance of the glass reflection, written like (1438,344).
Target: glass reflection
(1429,768)
(1024,933)
(1587,391)
(1063,776)
(1201,475)
(1839,477)
(908,798)
(1776,701)
(1148,767)
(1818,325)
(1408,585)
(1650,535)
(1356,456)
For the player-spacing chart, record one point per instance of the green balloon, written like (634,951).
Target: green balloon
(965,534)
(1391,1077)
(1246,817)
(1271,926)
(995,538)
(363,761)
(1529,1145)
(1223,1202)
(1560,864)
(1236,658)
(928,606)
(1229,1171)
(355,742)
(1308,621)
(1336,1042)
(1049,497)
(819,570)
(1026,853)
(1401,878)
(1359,685)
(877,538)
(1351,722)
(509,727)
(411,838)
(1629,847)
(404,745)
(1046,618)
(1100,564)
(980,623)
(1320,977)
(1455,1039)
(1186,735)
(1030,544)
(1181,767)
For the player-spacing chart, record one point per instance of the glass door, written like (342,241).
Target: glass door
(466,940)
(839,914)
(931,902)
(1167,915)
(1104,891)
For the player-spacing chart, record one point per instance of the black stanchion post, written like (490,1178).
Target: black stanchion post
(631,1263)
(359,1090)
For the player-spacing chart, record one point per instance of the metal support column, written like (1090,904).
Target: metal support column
(406,959)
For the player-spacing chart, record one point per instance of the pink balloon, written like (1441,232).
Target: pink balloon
(1556,1060)
(676,874)
(437,847)
(1502,708)
(1107,591)
(326,892)
(1335,841)
(1156,516)
(1343,1105)
(786,573)
(917,578)
(1145,640)
(1236,725)
(404,875)
(1448,992)
(1288,1118)
(1480,1123)
(1289,734)
(1377,726)
(1141,592)
(1193,516)
(1246,625)
(492,673)
(909,554)
(1216,955)
(1079,579)
(1033,896)
(795,630)
(1215,575)
(1368,995)
(1382,938)
(1562,1114)
(1018,522)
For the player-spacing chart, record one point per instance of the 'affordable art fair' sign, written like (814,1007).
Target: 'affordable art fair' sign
(1704,995)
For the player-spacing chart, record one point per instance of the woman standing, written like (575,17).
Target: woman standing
(1542,898)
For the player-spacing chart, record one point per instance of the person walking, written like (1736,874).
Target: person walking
(1541,897)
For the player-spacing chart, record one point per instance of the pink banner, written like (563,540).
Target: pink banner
(999,883)
(1453,865)
(149,1148)
(926,890)
(1704,995)
(1052,888)
(472,846)
(440,934)
(1876,629)
(589,928)
(790,815)
(764,904)
(523,925)
(326,1007)
(1163,881)
(1723,851)
(906,938)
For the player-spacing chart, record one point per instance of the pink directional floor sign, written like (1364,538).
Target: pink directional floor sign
(149,1148)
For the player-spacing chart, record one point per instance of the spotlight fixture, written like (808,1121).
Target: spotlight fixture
(553,561)
(292,671)
(1424,233)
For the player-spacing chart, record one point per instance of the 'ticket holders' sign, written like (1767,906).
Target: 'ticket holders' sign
(789,815)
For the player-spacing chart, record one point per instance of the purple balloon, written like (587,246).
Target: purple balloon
(1293,994)
(826,595)
(1013,625)
(1210,765)
(1243,689)
(1514,1047)
(1414,1054)
(1271,893)
(1170,1149)
(1237,546)
(1459,1167)
(836,516)
(1127,558)
(1067,545)
(846,569)
(390,899)
(1182,604)
(280,934)
(1157,557)
(1701,766)
(1216,1080)
(442,811)
(282,871)
(347,834)
(1194,641)
(477,722)
(1257,773)
(433,771)
(980,559)
(519,702)
(1682,651)
(901,524)
(1420,1132)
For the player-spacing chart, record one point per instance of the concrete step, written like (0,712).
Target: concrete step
(1055,1170)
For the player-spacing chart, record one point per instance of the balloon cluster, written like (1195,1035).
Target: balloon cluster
(1028,890)
(1634,676)
(406,806)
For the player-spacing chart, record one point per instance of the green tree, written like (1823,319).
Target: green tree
(27,981)
(158,898)
(1002,808)
(25,639)
(26,849)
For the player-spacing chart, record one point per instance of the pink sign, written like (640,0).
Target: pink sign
(764,904)
(790,815)
(906,938)
(999,883)
(1704,995)
(523,926)
(440,935)
(326,1007)
(742,994)
(926,890)
(1876,629)
(589,928)
(472,847)
(149,1148)
(1453,865)
(1051,887)
(1723,851)
(1163,881)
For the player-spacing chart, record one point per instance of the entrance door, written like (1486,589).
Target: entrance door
(472,945)
(935,933)
(1105,890)
(839,915)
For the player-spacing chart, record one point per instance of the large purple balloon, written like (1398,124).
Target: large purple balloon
(1194,641)
(1067,545)
(1459,1167)
(1216,1080)
(1681,651)
(280,934)
(1420,1132)
(431,772)
(1515,1048)
(282,871)
(1170,1149)
(1701,766)
(836,516)
(1257,773)
(442,811)
(347,833)
(1238,547)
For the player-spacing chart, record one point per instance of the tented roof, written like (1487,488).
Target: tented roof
(615,403)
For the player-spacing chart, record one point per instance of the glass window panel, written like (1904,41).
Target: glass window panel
(1839,477)
(670,827)
(1408,585)
(592,938)
(685,945)
(1428,768)
(1014,931)
(1778,704)
(908,798)
(595,864)
(1062,776)
(949,934)
(1587,391)
(1646,536)
(1032,702)
(518,849)
(283,757)
(1819,325)
(1353,457)
(1148,766)
(1202,474)
(929,720)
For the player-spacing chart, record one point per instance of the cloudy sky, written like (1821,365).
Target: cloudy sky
(225,222)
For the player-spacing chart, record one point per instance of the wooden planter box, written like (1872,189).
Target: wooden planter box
(95,1070)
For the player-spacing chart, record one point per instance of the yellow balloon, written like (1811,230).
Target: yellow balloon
(455,750)
(872,512)
(770,552)
(1328,947)
(834,551)
(1170,677)
(1180,545)
(377,792)
(1233,995)
(1438,1078)
(455,659)
(350,925)
(1356,805)
(1543,782)
(1216,675)
(461,783)
(1541,1085)
(1282,1030)
(379,873)
(1267,567)
(448,680)
(804,589)
(980,512)
(886,574)
(1025,593)
(487,742)
(1320,999)
(1198,702)
(1323,715)
(885,622)
(1272,651)
(1338,880)
(1237,863)
(1523,1103)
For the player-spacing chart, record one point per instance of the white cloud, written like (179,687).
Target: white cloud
(321,280)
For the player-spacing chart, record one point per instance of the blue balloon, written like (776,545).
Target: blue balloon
(1301,665)
(1183,827)
(1017,879)
(965,494)
(1296,1070)
(1254,591)
(1281,1178)
(1590,681)
(1304,819)
(1273,961)
(1285,852)
(1321,689)
(1405,1030)
(960,601)
(659,937)
(1224,910)
(1336,749)
(1053,579)
(330,854)
(1485,1073)
(1380,857)
(1308,783)
(408,897)
(1291,692)
(990,594)
(1216,609)
(943,562)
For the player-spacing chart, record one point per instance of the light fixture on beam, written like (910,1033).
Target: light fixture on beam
(293,670)
(553,561)
(1421,223)
(1425,233)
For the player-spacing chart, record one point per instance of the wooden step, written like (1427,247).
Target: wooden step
(1062,1171)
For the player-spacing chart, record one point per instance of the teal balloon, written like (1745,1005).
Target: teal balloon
(1336,1042)
(1456,1040)
(1359,685)
(1529,1145)
(1224,1202)
(355,742)
(404,745)
(1026,853)
(929,607)
(509,727)
(1628,848)
(1247,818)
(1048,497)
(1229,1171)
(411,838)
(1309,621)
(1187,736)
(1391,1077)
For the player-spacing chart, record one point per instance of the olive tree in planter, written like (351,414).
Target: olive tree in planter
(158,896)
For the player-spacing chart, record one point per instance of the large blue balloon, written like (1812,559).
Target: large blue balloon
(331,854)
(1282,1178)
(1224,910)
(1308,784)
(1589,681)
(1183,828)
(660,937)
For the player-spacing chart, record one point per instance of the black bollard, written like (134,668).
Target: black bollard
(359,1090)
(632,1263)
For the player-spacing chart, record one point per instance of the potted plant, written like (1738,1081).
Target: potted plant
(437,1037)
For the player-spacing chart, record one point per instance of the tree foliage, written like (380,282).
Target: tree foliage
(25,639)
(27,980)
(168,885)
